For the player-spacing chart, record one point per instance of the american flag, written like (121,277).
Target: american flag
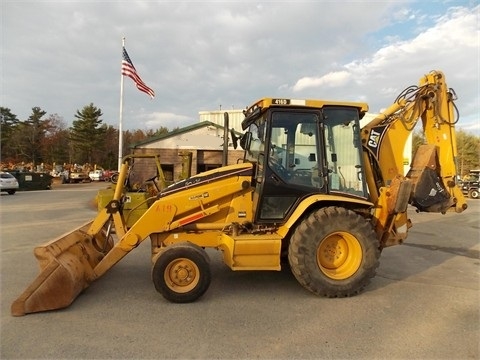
(129,70)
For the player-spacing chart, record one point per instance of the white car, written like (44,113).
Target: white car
(8,183)
(96,175)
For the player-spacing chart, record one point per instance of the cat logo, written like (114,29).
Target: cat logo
(374,139)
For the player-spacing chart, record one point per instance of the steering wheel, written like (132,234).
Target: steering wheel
(152,179)
(276,164)
(279,169)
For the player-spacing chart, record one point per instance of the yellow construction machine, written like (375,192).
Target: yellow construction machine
(315,187)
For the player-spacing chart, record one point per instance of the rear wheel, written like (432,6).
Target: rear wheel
(11,192)
(334,252)
(181,273)
(473,194)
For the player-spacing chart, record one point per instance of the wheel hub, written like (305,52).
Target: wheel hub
(334,253)
(339,255)
(182,275)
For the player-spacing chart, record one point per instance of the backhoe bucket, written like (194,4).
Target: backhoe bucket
(66,265)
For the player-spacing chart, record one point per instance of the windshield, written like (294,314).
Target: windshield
(6,176)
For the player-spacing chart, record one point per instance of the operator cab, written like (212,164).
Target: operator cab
(300,148)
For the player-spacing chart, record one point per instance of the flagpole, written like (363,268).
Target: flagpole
(120,129)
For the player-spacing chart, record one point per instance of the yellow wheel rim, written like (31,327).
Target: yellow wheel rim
(339,255)
(182,275)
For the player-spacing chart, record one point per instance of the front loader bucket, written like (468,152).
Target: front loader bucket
(66,266)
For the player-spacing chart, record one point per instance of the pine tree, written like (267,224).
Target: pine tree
(86,134)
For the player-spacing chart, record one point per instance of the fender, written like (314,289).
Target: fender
(318,198)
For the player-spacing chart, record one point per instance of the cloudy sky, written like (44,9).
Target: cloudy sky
(207,55)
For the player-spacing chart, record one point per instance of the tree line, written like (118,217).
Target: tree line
(47,139)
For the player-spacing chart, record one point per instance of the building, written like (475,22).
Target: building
(201,143)
(235,118)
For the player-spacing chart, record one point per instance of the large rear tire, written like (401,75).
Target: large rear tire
(334,252)
(181,273)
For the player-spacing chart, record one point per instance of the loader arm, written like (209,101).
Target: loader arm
(179,208)
(430,183)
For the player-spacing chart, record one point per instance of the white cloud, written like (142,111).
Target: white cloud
(158,119)
(200,55)
(452,46)
(332,79)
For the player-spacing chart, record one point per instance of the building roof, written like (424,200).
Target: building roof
(177,132)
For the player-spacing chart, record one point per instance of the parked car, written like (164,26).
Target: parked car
(78,176)
(8,183)
(96,175)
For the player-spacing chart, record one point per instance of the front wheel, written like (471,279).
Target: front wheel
(334,252)
(181,273)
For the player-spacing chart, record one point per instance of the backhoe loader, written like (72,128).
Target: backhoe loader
(314,190)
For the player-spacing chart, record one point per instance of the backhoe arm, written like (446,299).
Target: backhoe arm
(430,183)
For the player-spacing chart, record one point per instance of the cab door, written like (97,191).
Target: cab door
(291,163)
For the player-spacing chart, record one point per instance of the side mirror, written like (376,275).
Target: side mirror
(234,138)
(245,140)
